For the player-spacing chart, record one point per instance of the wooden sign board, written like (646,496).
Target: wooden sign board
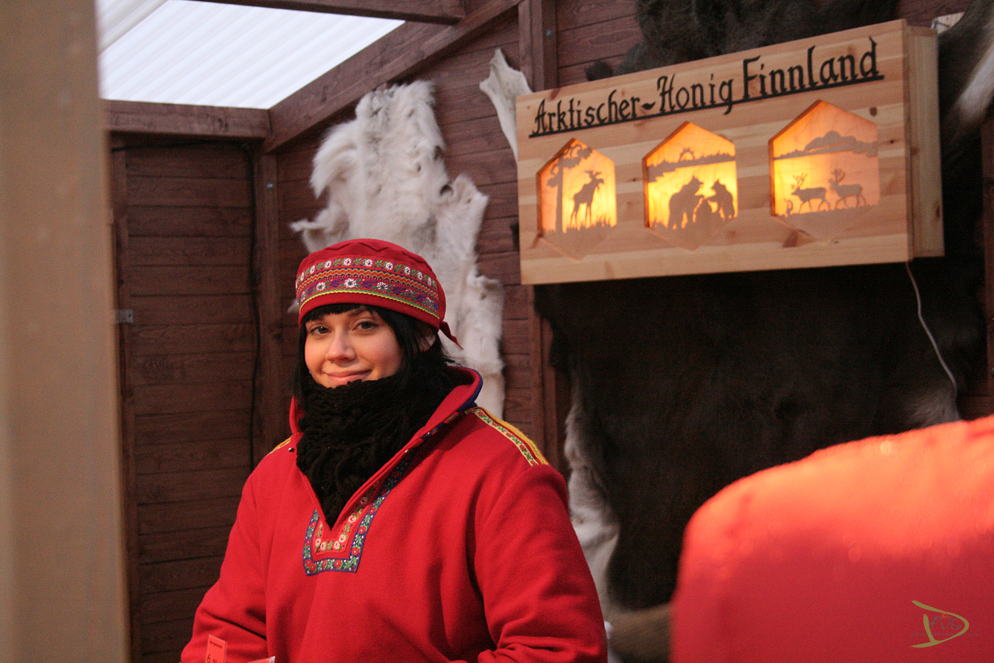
(817,152)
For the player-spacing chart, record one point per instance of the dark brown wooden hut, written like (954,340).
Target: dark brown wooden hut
(202,197)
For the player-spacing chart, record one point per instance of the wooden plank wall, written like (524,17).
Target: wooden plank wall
(476,147)
(592,30)
(978,397)
(183,217)
(295,201)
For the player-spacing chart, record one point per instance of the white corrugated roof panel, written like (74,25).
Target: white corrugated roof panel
(204,53)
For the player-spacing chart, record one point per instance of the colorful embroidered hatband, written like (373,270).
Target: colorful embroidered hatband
(373,272)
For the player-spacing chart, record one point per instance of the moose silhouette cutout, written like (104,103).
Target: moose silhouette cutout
(585,196)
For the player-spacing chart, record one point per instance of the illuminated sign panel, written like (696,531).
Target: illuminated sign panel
(811,153)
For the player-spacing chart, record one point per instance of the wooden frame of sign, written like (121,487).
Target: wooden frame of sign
(823,151)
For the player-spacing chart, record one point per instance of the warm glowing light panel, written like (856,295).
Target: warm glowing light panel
(690,186)
(577,190)
(818,152)
(826,171)
(577,198)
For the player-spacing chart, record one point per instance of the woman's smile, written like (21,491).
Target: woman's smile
(344,378)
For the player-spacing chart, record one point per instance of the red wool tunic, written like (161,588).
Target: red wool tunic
(458,549)
(880,550)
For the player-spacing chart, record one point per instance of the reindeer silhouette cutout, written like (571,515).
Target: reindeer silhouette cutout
(844,191)
(585,196)
(807,195)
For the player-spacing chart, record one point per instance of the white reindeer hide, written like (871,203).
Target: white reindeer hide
(593,520)
(385,178)
(502,86)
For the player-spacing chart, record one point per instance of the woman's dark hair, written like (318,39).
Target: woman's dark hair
(410,335)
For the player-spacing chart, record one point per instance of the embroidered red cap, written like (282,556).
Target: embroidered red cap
(374,272)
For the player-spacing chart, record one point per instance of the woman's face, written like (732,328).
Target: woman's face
(355,345)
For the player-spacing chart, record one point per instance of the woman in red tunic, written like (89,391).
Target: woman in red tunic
(400,521)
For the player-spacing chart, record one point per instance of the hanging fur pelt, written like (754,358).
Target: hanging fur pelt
(385,178)
(503,86)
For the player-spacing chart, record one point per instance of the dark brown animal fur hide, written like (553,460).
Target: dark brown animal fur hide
(682,30)
(681,385)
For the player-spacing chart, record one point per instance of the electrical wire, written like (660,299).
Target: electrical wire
(928,332)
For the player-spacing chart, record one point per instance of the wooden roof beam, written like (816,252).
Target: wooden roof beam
(402,52)
(538,43)
(421,11)
(186,120)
